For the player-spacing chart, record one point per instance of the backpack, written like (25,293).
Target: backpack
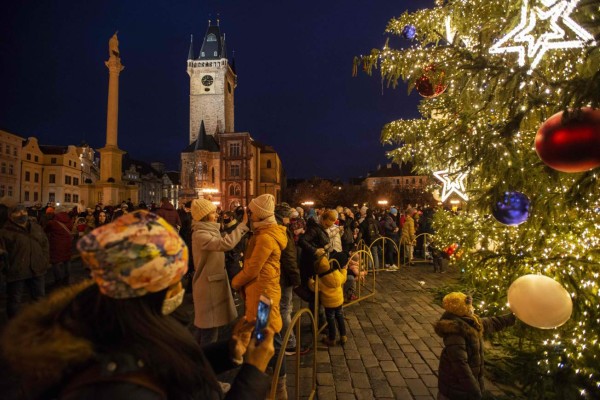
(373,231)
(348,235)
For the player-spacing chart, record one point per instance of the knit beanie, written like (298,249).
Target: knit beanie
(201,208)
(9,202)
(411,211)
(458,303)
(300,210)
(393,211)
(283,210)
(263,206)
(322,265)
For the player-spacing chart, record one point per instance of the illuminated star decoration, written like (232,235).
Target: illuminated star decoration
(452,185)
(553,39)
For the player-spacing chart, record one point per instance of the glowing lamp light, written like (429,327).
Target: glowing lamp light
(382,202)
(535,48)
(308,203)
(452,185)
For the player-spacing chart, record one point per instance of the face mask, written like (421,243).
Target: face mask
(171,304)
(21,219)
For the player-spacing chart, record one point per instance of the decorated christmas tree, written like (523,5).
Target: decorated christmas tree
(492,73)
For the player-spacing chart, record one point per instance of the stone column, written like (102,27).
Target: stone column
(112,115)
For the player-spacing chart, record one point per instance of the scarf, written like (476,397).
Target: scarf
(270,220)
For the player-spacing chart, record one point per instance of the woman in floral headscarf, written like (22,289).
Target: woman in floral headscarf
(113,339)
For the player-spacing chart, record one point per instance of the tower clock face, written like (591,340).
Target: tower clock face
(207,80)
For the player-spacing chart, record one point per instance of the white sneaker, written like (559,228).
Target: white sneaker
(394,267)
(387,265)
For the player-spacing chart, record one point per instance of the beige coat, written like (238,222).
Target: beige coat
(213,302)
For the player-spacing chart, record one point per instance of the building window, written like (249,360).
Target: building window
(29,156)
(234,170)
(10,191)
(53,160)
(67,197)
(213,174)
(3,168)
(67,180)
(52,178)
(202,54)
(234,149)
(75,198)
(7,149)
(14,151)
(36,177)
(27,176)
(75,181)
(35,196)
(414,181)
(51,197)
(26,195)
(36,158)
(2,190)
(421,180)
(215,53)
(211,37)
(269,164)
(232,190)
(11,170)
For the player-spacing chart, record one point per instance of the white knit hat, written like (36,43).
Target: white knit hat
(263,206)
(201,208)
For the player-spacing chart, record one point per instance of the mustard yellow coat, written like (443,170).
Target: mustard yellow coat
(331,290)
(261,271)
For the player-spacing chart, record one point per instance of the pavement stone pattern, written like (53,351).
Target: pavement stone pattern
(392,351)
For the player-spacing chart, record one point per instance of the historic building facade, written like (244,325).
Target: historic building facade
(10,165)
(220,163)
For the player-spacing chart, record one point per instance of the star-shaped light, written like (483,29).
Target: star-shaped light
(555,38)
(452,185)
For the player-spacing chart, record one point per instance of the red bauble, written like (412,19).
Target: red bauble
(431,83)
(572,145)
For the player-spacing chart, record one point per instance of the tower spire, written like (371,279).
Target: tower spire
(191,51)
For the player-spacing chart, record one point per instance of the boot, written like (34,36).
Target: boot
(281,391)
(328,342)
(343,340)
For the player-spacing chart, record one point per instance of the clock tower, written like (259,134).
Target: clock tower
(212,85)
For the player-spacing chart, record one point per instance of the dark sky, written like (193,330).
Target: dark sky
(294,62)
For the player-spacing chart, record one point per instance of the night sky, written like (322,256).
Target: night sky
(293,59)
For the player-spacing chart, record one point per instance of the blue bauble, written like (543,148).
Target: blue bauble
(513,209)
(409,32)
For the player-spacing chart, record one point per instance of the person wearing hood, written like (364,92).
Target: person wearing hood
(60,240)
(261,271)
(214,306)
(460,374)
(113,337)
(169,213)
(27,255)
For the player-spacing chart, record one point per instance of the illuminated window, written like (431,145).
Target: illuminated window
(211,38)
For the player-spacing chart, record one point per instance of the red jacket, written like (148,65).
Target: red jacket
(170,214)
(60,238)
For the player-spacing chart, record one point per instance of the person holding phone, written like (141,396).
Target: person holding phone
(261,272)
(113,338)
(214,306)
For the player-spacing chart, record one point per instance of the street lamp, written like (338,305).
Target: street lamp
(308,203)
(382,202)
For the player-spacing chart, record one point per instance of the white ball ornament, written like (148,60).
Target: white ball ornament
(540,301)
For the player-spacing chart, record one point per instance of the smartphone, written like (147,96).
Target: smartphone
(262,317)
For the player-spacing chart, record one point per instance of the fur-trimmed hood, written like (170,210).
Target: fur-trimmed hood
(40,349)
(451,324)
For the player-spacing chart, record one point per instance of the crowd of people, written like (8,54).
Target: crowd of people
(142,260)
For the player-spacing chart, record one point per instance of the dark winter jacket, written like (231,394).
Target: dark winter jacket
(60,238)
(368,230)
(315,238)
(290,273)
(27,248)
(51,361)
(170,214)
(460,374)
(389,226)
(234,257)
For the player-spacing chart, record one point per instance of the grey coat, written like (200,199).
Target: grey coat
(213,302)
(27,250)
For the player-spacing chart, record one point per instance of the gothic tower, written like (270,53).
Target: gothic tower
(212,85)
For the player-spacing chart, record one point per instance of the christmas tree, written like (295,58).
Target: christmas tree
(491,73)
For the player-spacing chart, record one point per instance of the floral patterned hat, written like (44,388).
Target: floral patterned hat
(138,253)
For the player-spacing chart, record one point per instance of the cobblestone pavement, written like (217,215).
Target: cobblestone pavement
(392,350)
